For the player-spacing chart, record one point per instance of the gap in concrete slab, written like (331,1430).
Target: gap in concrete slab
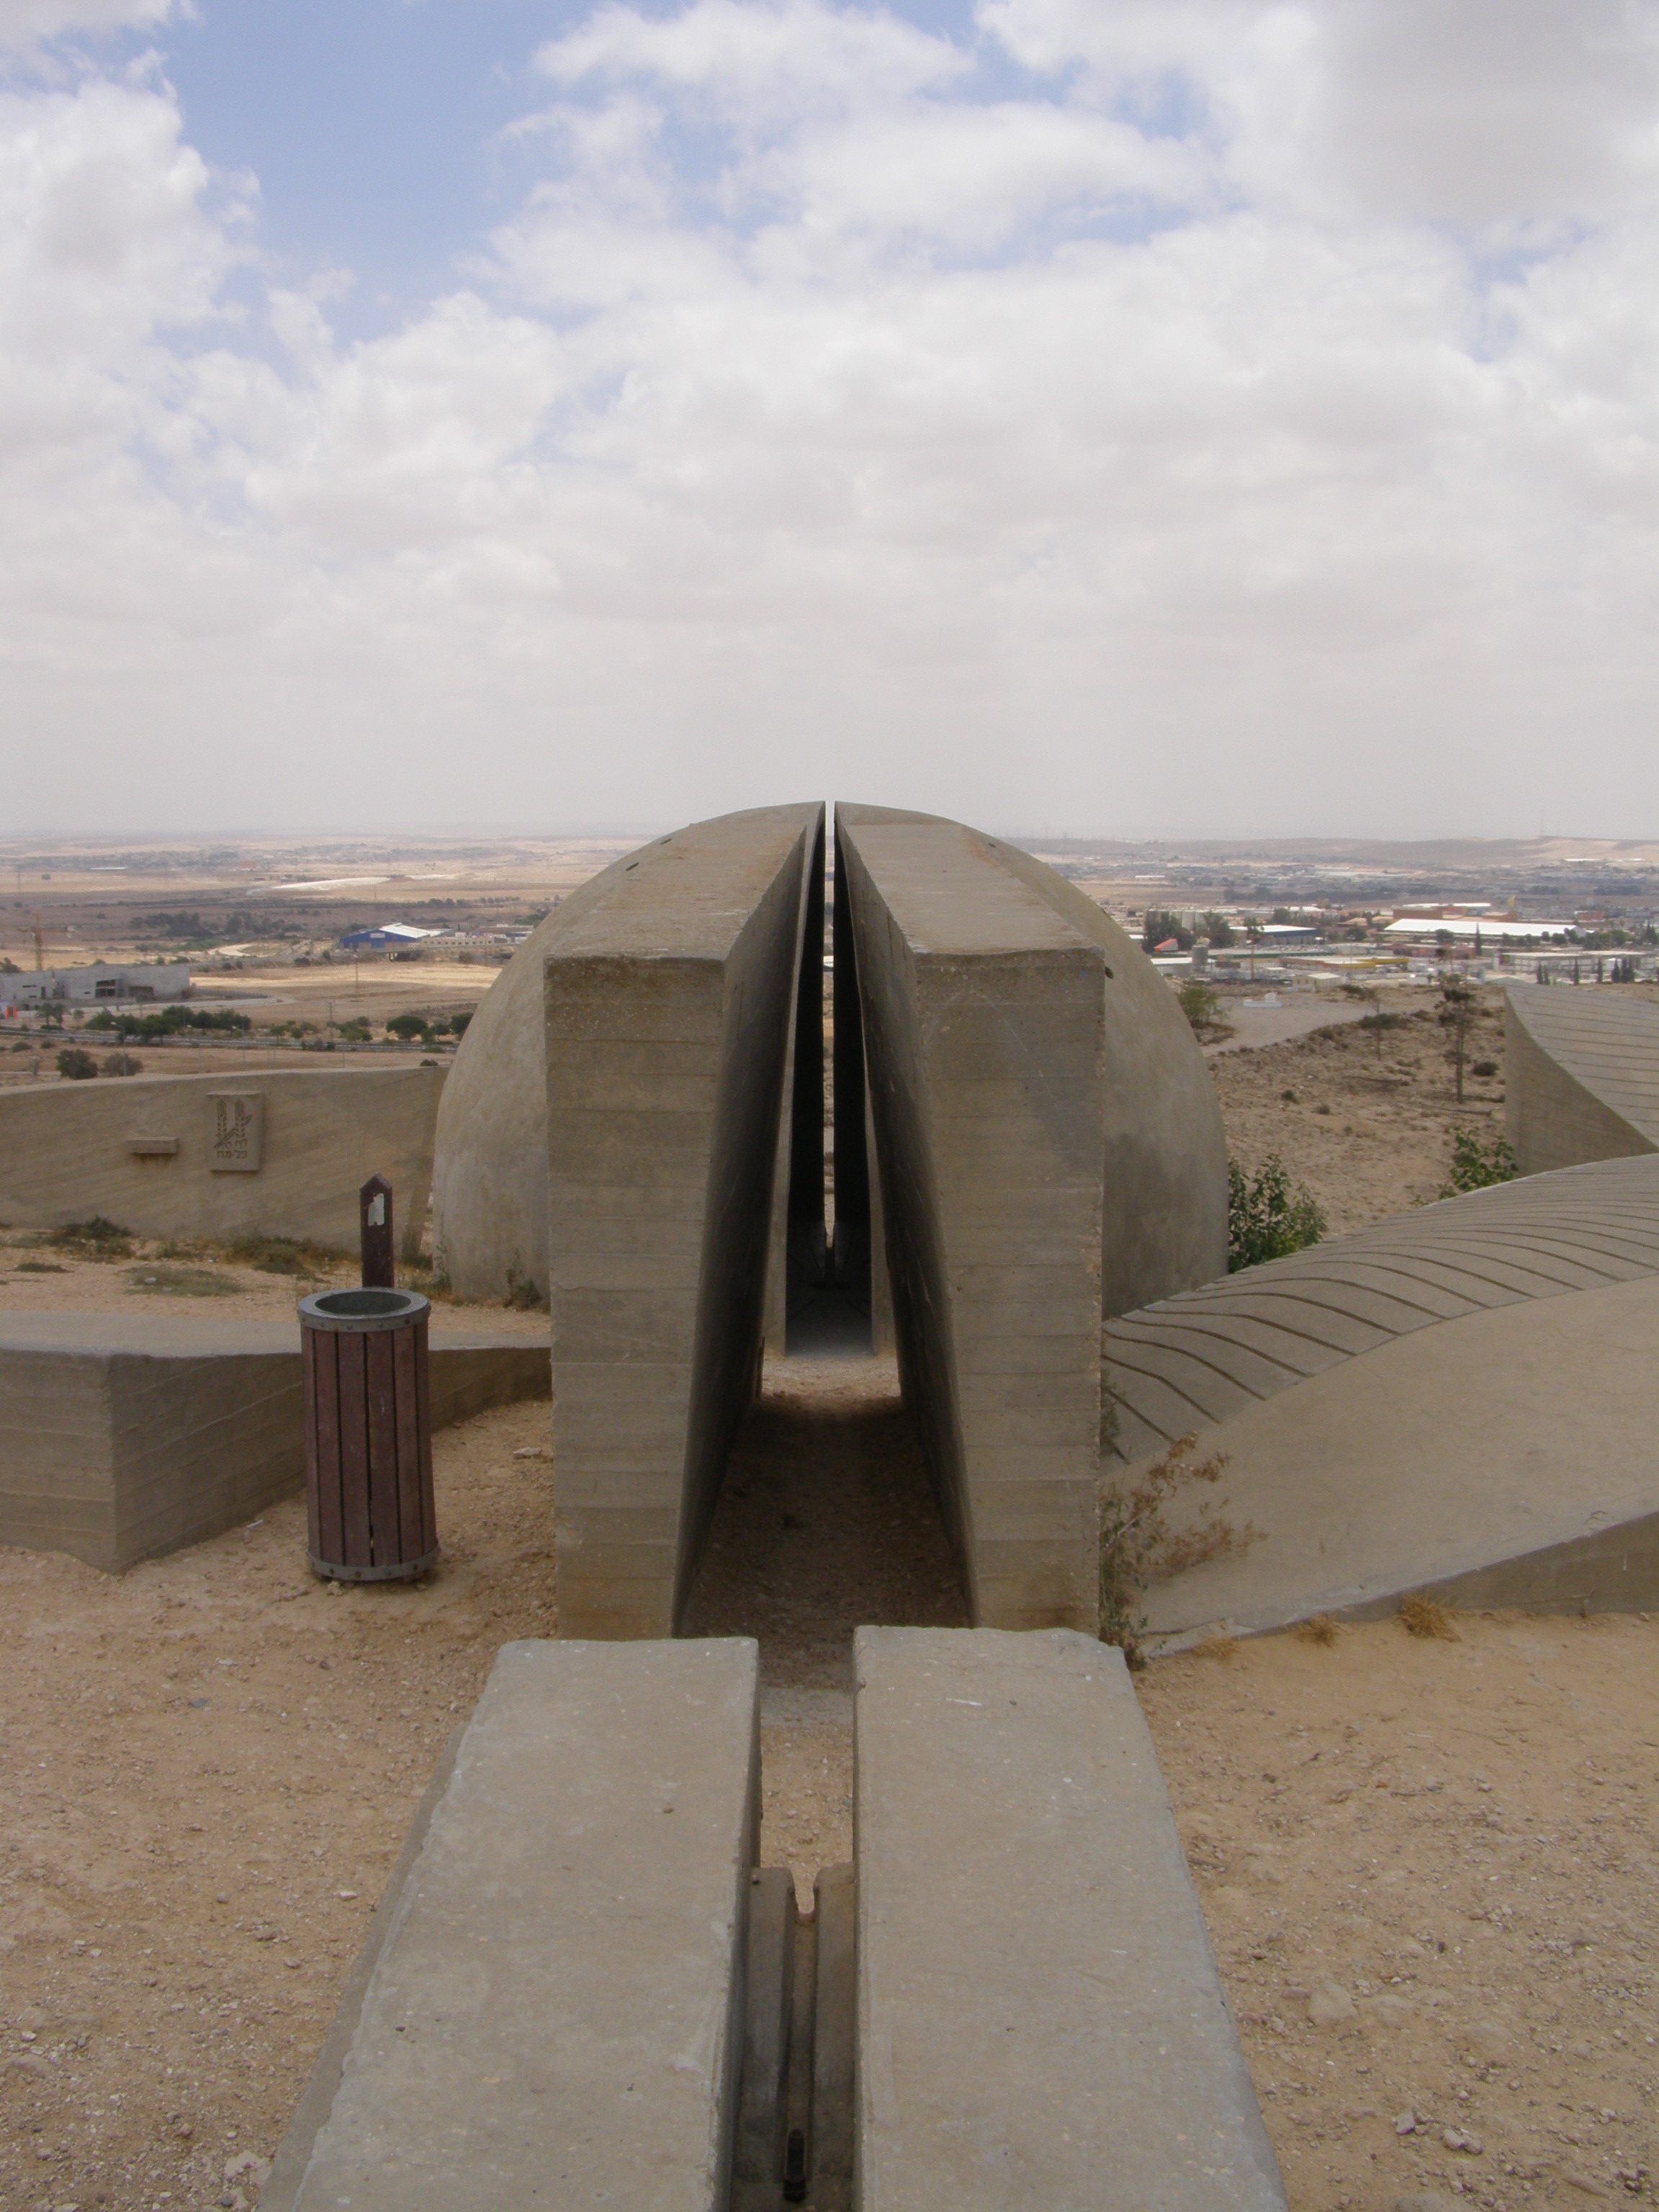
(826,1521)
(829,1286)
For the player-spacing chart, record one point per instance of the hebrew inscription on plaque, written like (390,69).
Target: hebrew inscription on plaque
(236,1130)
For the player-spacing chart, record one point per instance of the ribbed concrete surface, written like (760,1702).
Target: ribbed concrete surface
(1212,1353)
(1583,1079)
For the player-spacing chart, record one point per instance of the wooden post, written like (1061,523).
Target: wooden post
(374,1223)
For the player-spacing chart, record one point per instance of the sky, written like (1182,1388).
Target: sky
(1109,416)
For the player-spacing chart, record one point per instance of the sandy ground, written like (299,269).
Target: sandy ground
(1429,1873)
(37,1064)
(1443,1853)
(1428,1867)
(41,1274)
(1365,1117)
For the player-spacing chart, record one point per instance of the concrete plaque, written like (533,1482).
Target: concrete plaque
(236,1131)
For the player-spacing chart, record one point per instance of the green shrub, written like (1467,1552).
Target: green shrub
(457,1023)
(1267,1216)
(409,1027)
(1202,1006)
(122,1063)
(1475,1166)
(76,1066)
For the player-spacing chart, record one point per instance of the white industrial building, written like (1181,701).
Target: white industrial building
(101,984)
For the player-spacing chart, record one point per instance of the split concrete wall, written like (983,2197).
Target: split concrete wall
(276,1152)
(1581,1075)
(982,1015)
(670,1009)
(1040,2021)
(123,1438)
(489,1205)
(548,2008)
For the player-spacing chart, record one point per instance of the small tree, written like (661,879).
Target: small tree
(1475,1166)
(76,1066)
(409,1027)
(1456,1002)
(123,1063)
(1202,1007)
(457,1023)
(1218,930)
(1267,1216)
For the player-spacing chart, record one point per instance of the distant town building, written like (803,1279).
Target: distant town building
(1463,929)
(100,982)
(396,936)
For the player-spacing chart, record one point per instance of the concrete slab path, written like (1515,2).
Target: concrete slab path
(1040,2019)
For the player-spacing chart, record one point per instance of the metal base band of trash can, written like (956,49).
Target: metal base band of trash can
(330,1573)
(369,1435)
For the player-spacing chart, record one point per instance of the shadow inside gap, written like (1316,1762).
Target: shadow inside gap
(826,1521)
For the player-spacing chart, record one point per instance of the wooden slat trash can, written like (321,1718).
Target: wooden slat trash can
(368,1434)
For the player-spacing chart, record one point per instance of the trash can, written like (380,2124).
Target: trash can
(368,1434)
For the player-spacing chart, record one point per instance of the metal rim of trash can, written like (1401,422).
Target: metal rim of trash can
(361,1312)
(404,1572)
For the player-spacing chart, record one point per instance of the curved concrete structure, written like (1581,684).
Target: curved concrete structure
(1163,1200)
(1581,1077)
(490,1173)
(1457,1400)
(669,1016)
(1050,1146)
(275,1152)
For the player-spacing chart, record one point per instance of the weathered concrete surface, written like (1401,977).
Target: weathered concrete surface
(489,1181)
(73,1149)
(670,1008)
(1040,2019)
(123,1437)
(982,1018)
(1200,1359)
(1506,1459)
(490,1173)
(1457,1400)
(553,2013)
(1163,1213)
(1581,1076)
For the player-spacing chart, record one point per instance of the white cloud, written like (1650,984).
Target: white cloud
(25,23)
(1225,423)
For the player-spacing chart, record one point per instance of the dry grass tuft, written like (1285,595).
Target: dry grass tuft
(1222,1648)
(1320,1629)
(1421,1616)
(1138,1546)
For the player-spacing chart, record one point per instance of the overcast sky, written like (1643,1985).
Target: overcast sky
(1177,415)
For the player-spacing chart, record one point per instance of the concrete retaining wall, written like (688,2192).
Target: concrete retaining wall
(982,1016)
(121,1438)
(1581,1076)
(670,1008)
(278,1152)
(549,2010)
(1041,2022)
